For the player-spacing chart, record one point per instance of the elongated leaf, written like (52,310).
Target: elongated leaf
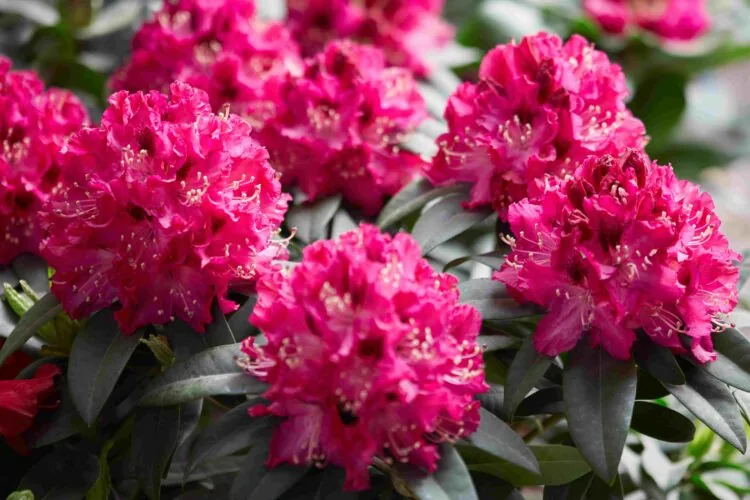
(547,401)
(660,422)
(154,440)
(420,144)
(491,298)
(259,483)
(444,220)
(560,464)
(99,354)
(218,332)
(311,219)
(604,491)
(493,400)
(190,414)
(599,397)
(496,342)
(342,223)
(527,369)
(239,322)
(453,476)
(8,319)
(493,260)
(55,427)
(212,372)
(64,474)
(411,198)
(34,10)
(649,387)
(230,433)
(40,313)
(710,401)
(114,17)
(495,437)
(178,475)
(658,361)
(425,488)
(571,491)
(34,270)
(732,363)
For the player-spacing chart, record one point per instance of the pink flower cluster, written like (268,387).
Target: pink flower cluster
(408,31)
(217,46)
(369,355)
(681,20)
(339,126)
(620,246)
(540,107)
(34,125)
(164,207)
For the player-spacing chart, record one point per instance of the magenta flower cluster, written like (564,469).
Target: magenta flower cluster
(678,20)
(541,106)
(369,355)
(34,126)
(164,207)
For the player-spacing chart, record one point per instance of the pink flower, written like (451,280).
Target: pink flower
(407,31)
(622,246)
(164,207)
(369,355)
(669,19)
(34,127)
(540,107)
(217,46)
(341,125)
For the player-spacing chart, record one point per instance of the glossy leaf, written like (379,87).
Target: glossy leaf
(732,363)
(64,474)
(658,361)
(491,298)
(649,387)
(496,342)
(599,397)
(312,219)
(114,17)
(560,464)
(40,314)
(342,223)
(218,331)
(154,440)
(575,490)
(548,401)
(452,475)
(98,356)
(445,220)
(58,425)
(34,10)
(525,372)
(34,270)
(660,102)
(495,437)
(493,400)
(412,198)
(493,260)
(661,423)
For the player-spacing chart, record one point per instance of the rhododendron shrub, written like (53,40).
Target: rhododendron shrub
(541,106)
(34,125)
(218,46)
(408,31)
(622,246)
(341,125)
(369,355)
(164,207)
(680,20)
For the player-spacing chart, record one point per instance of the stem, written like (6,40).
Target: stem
(546,424)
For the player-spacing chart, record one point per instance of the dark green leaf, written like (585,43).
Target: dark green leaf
(260,483)
(8,319)
(500,21)
(491,298)
(547,401)
(453,476)
(491,487)
(689,160)
(658,361)
(496,342)
(218,332)
(34,271)
(649,387)
(178,475)
(154,440)
(560,464)
(599,396)
(710,401)
(413,197)
(660,422)
(492,400)
(190,414)
(98,356)
(34,10)
(421,144)
(239,321)
(211,372)
(732,363)
(230,433)
(114,17)
(331,486)
(495,437)
(54,427)
(100,489)
(494,260)
(495,371)
(599,490)
(64,474)
(444,220)
(743,400)
(40,313)
(660,102)
(311,219)
(342,223)
(527,369)
(572,491)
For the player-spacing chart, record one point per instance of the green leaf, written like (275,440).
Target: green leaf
(560,464)
(342,223)
(500,21)
(211,372)
(660,102)
(661,423)
(599,396)
(153,442)
(231,432)
(190,415)
(732,363)
(8,319)
(444,220)
(177,474)
(658,361)
(55,427)
(575,490)
(525,372)
(260,483)
(34,10)
(494,260)
(239,321)
(413,197)
(496,342)
(493,399)
(100,489)
(548,401)
(21,495)
(599,490)
(99,355)
(689,160)
(218,332)
(495,437)
(40,314)
(112,18)
(421,144)
(332,484)
(453,476)
(33,270)
(491,298)
(65,473)
(710,401)
(649,387)
(491,487)
(311,219)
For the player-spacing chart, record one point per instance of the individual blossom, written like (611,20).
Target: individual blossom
(164,207)
(341,127)
(408,31)
(21,400)
(218,46)
(619,247)
(540,107)
(34,125)
(680,20)
(368,354)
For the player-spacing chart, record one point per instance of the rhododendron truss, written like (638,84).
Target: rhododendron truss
(680,20)
(540,107)
(369,355)
(408,31)
(622,246)
(217,46)
(163,207)
(34,125)
(341,126)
